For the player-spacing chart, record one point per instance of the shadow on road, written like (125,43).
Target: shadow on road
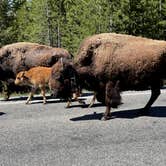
(85,105)
(39,99)
(94,116)
(157,111)
(2,113)
(20,98)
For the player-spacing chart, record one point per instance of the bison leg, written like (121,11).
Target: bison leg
(75,97)
(43,94)
(68,103)
(112,98)
(155,92)
(92,101)
(7,94)
(30,95)
(107,113)
(6,90)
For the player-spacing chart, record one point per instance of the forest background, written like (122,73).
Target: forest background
(65,23)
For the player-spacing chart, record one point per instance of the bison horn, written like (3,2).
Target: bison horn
(61,60)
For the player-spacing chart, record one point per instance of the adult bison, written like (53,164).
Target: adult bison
(23,56)
(109,63)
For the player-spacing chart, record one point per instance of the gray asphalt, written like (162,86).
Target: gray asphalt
(50,135)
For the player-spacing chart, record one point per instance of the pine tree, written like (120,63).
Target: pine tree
(141,18)
(8,23)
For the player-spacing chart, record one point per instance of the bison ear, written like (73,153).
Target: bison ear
(23,73)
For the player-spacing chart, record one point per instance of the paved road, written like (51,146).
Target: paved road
(50,135)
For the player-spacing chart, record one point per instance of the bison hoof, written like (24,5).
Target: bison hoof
(104,118)
(67,106)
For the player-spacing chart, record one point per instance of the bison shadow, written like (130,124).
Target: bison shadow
(86,105)
(19,98)
(2,113)
(156,111)
(85,94)
(50,100)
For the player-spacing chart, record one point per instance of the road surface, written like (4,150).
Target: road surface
(50,135)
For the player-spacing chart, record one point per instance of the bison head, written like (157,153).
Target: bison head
(21,78)
(63,80)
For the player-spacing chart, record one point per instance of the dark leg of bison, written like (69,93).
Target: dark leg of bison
(155,92)
(112,98)
(68,103)
(6,91)
(107,113)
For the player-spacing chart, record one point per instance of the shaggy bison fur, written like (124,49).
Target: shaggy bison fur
(23,56)
(63,81)
(109,63)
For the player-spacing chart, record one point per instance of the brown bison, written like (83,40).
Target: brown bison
(23,56)
(64,81)
(109,63)
(36,77)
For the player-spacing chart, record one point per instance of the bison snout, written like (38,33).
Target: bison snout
(16,82)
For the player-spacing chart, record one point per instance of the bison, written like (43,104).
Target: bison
(36,77)
(64,84)
(23,56)
(109,63)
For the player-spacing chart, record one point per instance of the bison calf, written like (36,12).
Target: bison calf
(36,77)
